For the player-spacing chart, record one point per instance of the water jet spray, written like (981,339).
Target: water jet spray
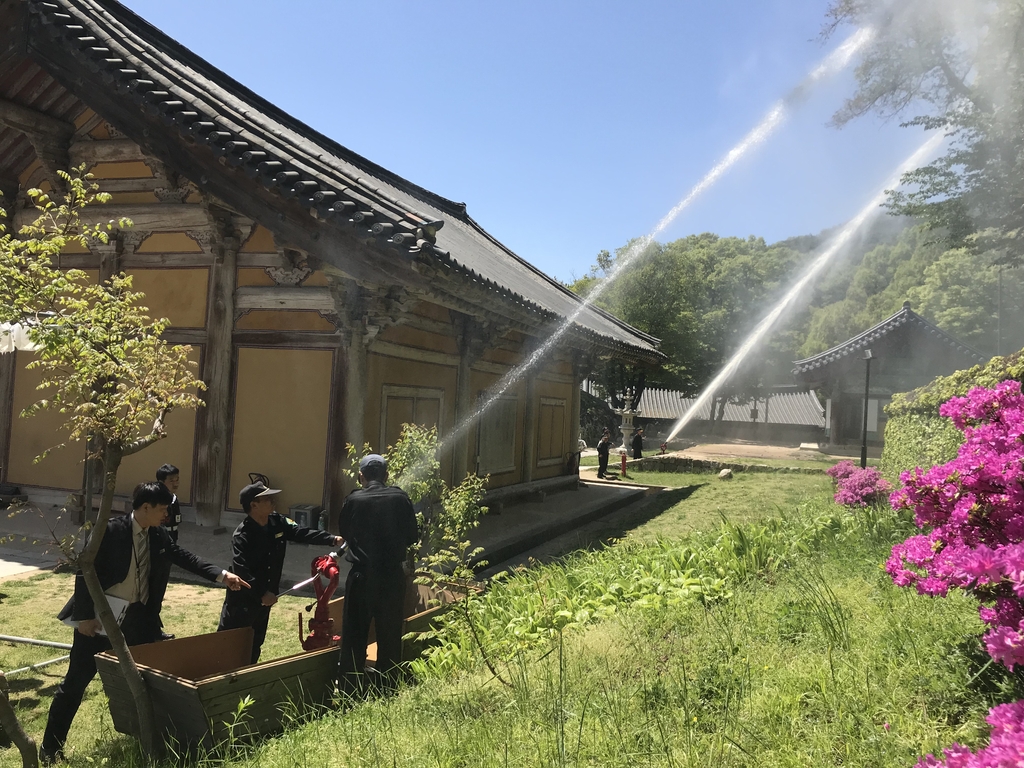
(837,244)
(830,65)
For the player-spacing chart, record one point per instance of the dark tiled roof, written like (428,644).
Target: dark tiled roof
(285,154)
(905,317)
(799,408)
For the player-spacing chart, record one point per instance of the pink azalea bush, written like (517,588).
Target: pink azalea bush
(1005,748)
(857,487)
(841,470)
(974,506)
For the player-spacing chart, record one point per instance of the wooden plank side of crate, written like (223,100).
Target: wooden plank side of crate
(122,707)
(199,656)
(178,708)
(288,687)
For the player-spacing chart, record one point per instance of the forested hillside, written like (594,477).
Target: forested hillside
(702,294)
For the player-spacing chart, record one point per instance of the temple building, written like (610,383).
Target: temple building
(327,300)
(907,352)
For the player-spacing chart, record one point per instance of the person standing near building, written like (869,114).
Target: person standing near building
(379,524)
(638,443)
(258,548)
(604,447)
(168,476)
(133,565)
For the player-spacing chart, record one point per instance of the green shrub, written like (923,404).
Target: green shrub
(916,436)
(918,440)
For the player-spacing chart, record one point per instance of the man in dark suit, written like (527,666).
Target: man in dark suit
(133,565)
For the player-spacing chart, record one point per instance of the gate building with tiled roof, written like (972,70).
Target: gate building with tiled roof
(907,352)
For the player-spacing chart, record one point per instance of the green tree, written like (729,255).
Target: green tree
(957,67)
(107,370)
(701,295)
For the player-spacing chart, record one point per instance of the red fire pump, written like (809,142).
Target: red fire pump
(321,626)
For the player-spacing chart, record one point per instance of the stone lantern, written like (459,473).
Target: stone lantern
(628,414)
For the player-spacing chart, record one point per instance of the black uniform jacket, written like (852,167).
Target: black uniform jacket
(115,558)
(259,554)
(604,447)
(379,524)
(638,442)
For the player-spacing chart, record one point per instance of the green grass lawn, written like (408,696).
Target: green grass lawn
(801,653)
(28,608)
(703,500)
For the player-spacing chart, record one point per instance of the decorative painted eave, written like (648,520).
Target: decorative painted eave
(905,317)
(337,186)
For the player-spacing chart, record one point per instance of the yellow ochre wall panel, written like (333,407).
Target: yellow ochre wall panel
(169,242)
(433,311)
(33,435)
(261,241)
(383,370)
(25,175)
(131,170)
(132,198)
(283,320)
(562,392)
(414,337)
(282,412)
(253,276)
(316,279)
(479,382)
(177,294)
(83,117)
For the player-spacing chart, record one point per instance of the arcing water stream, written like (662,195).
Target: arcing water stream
(834,247)
(830,65)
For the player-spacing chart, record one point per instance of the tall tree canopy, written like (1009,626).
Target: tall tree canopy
(958,66)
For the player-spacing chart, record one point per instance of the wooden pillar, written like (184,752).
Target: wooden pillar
(9,361)
(574,413)
(338,484)
(530,430)
(213,425)
(834,437)
(8,369)
(470,336)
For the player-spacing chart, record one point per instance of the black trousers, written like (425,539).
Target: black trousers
(138,628)
(236,616)
(638,453)
(377,595)
(602,464)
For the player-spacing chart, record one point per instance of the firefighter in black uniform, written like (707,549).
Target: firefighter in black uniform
(258,546)
(379,524)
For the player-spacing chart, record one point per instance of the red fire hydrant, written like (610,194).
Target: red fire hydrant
(321,626)
(622,455)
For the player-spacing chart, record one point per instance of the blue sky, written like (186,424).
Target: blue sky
(567,127)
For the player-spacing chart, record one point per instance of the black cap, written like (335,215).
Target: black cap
(254,491)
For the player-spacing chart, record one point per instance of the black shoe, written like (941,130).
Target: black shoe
(51,757)
(165,635)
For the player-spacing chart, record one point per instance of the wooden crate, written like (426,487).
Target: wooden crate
(197,682)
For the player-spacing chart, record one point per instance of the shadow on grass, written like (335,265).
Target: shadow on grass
(606,530)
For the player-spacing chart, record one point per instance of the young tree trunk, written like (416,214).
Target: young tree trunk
(10,725)
(87,561)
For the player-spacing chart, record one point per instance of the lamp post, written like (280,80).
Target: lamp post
(867,391)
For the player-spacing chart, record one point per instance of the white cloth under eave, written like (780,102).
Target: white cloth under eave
(14,336)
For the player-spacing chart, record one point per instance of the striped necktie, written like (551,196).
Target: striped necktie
(142,565)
